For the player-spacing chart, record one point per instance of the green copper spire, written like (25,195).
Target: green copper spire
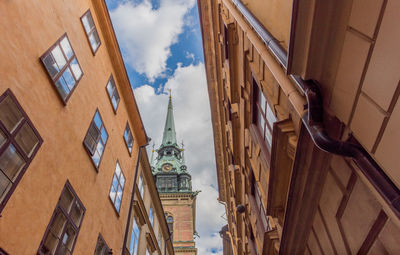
(169,136)
(169,168)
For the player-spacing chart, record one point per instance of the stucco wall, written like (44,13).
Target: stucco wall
(28,29)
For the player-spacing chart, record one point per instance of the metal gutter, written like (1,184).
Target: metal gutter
(313,120)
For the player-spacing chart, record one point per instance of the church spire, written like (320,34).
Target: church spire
(169,136)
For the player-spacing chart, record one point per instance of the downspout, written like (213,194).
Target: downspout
(133,195)
(313,120)
(166,241)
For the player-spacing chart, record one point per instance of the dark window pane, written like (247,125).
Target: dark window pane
(11,162)
(10,115)
(5,185)
(92,136)
(51,65)
(54,235)
(68,240)
(66,200)
(27,139)
(76,214)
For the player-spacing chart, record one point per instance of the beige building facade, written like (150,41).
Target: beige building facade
(71,136)
(304,99)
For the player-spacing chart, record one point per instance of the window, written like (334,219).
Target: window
(62,232)
(96,139)
(151,215)
(63,67)
(128,138)
(256,193)
(113,93)
(117,187)
(141,185)
(170,222)
(91,31)
(134,243)
(2,252)
(101,247)
(19,142)
(264,117)
(159,239)
(226,43)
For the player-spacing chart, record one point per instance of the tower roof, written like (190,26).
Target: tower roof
(169,135)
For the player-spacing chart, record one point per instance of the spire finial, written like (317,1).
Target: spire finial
(170,93)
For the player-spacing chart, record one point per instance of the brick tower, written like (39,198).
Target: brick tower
(174,185)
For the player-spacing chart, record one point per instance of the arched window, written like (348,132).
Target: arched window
(170,222)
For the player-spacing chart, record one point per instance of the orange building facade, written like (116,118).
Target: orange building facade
(71,136)
(304,99)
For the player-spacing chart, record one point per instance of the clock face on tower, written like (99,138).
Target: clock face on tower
(166,167)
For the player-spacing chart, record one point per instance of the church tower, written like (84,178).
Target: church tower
(174,185)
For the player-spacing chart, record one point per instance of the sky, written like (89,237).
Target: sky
(161,45)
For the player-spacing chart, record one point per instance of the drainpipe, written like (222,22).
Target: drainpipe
(313,120)
(165,242)
(133,195)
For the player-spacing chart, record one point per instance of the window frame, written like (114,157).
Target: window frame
(256,113)
(133,140)
(105,144)
(91,32)
(68,221)
(111,78)
(141,185)
(62,70)
(123,187)
(100,238)
(134,223)
(11,140)
(151,215)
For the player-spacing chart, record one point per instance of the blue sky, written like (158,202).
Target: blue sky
(161,45)
(187,50)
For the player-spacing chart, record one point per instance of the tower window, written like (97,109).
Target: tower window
(19,143)
(112,93)
(63,67)
(117,187)
(62,232)
(170,222)
(96,139)
(91,31)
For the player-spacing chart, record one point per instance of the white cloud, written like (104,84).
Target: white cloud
(193,125)
(146,34)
